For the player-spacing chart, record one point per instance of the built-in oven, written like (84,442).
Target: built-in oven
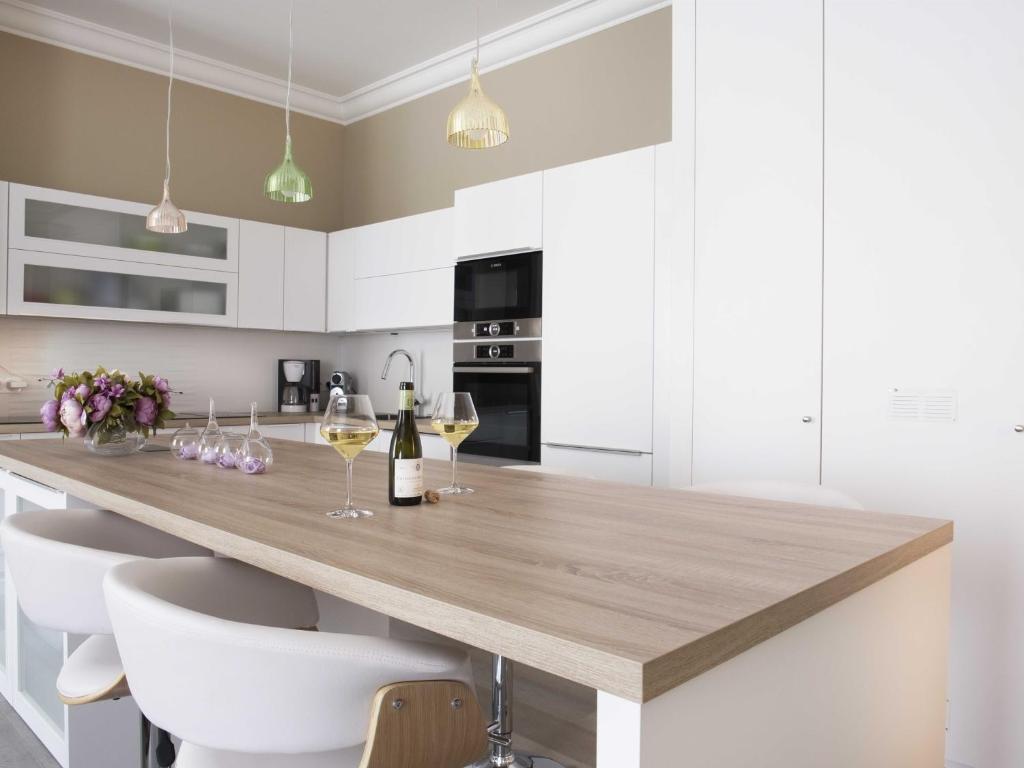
(503,376)
(499,296)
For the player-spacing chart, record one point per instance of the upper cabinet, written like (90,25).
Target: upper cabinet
(394,274)
(54,221)
(4,188)
(260,275)
(305,280)
(501,217)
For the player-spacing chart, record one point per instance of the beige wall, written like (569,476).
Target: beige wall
(84,124)
(605,93)
(80,123)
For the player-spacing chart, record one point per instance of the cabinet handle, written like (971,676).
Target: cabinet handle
(807,419)
(1018,428)
(594,449)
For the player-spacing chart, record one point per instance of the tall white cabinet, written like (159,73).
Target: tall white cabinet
(758,251)
(924,278)
(597,377)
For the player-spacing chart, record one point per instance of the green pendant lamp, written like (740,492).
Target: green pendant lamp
(288,183)
(166,218)
(477,122)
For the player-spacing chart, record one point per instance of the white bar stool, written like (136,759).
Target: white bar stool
(797,493)
(57,560)
(209,647)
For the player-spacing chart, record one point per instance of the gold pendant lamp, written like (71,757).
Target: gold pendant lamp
(288,183)
(166,218)
(477,122)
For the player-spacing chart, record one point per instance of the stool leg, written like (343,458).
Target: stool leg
(499,732)
(144,741)
(165,752)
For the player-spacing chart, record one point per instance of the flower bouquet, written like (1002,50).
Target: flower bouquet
(114,412)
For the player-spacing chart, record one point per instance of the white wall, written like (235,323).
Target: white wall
(233,366)
(363,355)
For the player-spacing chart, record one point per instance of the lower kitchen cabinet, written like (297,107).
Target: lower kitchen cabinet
(296,432)
(617,466)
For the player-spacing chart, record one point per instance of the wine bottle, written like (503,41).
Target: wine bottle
(405,463)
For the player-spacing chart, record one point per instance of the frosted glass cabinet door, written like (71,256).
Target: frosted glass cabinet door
(40,658)
(65,222)
(55,285)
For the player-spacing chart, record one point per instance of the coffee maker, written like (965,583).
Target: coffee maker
(297,380)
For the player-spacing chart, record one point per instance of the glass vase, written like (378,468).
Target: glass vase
(256,455)
(106,439)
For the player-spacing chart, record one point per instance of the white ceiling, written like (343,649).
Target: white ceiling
(340,45)
(352,59)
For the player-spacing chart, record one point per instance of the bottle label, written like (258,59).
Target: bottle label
(406,398)
(408,478)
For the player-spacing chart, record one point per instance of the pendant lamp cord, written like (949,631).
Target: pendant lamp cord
(170,85)
(288,93)
(476,58)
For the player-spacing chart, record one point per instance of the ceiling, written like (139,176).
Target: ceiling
(352,59)
(340,45)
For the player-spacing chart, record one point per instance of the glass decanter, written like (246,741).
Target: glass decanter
(209,439)
(185,443)
(228,450)
(255,456)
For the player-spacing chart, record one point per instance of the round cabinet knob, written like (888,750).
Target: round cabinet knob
(807,419)
(1018,428)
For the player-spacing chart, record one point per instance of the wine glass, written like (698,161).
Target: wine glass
(454,419)
(348,426)
(255,455)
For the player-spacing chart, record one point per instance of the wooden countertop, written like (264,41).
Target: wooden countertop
(627,589)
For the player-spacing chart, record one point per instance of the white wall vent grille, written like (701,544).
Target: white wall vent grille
(922,404)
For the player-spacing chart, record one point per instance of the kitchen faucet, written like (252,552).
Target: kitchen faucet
(412,374)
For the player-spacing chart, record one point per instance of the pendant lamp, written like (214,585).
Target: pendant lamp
(477,122)
(288,183)
(166,217)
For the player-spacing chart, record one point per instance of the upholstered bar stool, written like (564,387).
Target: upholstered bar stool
(209,647)
(797,493)
(57,559)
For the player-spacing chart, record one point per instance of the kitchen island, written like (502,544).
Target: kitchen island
(717,631)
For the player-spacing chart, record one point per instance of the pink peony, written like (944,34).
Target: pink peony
(56,374)
(100,405)
(82,392)
(49,414)
(146,411)
(72,416)
(161,384)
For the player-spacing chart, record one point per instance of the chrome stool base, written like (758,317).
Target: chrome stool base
(499,733)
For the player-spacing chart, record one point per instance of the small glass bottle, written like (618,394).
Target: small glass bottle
(185,443)
(256,456)
(209,439)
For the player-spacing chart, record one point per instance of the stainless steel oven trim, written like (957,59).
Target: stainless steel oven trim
(526,351)
(529,327)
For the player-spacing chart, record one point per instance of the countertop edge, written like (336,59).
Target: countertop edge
(673,669)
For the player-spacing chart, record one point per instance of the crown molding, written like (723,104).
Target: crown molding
(560,25)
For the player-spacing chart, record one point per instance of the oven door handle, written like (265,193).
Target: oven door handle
(493,369)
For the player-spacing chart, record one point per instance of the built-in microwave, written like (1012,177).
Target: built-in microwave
(503,377)
(499,296)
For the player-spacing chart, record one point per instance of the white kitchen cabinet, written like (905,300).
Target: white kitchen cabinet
(500,217)
(758,246)
(41,435)
(616,466)
(598,309)
(313,434)
(434,446)
(260,275)
(55,221)
(409,300)
(4,192)
(14,436)
(296,432)
(924,275)
(60,285)
(341,250)
(305,280)
(409,244)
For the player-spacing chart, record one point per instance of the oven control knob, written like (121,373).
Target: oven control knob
(494,351)
(494,329)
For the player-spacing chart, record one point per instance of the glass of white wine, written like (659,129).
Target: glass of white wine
(454,419)
(348,426)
